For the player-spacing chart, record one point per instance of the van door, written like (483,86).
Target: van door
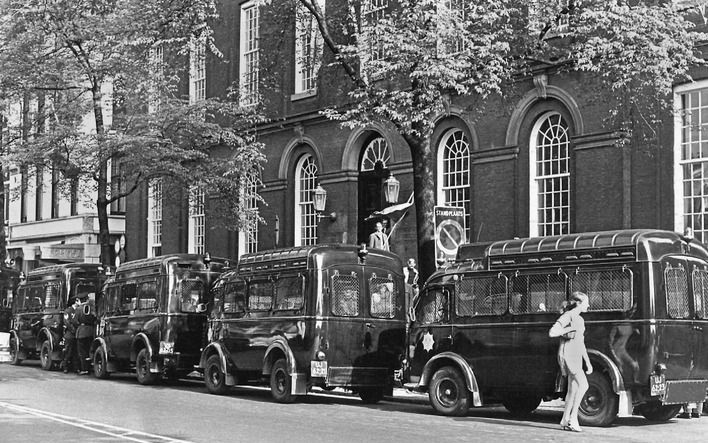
(677,340)
(118,330)
(431,331)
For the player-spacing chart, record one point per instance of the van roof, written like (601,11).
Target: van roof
(164,259)
(638,244)
(53,269)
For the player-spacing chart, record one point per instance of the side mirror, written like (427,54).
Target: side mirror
(201,307)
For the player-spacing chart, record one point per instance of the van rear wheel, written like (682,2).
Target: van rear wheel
(448,392)
(281,383)
(600,403)
(45,355)
(655,411)
(15,352)
(100,364)
(142,369)
(214,378)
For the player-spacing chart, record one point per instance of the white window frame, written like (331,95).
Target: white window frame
(375,151)
(682,211)
(535,221)
(305,215)
(157,56)
(451,45)
(196,224)
(455,172)
(249,63)
(308,50)
(197,70)
(248,237)
(154,218)
(373,11)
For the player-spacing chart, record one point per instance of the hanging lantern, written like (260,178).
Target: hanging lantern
(391,188)
(320,198)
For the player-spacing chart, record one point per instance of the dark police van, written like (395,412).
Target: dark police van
(38,309)
(323,315)
(9,279)
(152,316)
(480,335)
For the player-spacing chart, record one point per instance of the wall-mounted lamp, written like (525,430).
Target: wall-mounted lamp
(391,188)
(319,202)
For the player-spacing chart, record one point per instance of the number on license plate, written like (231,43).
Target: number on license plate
(318,368)
(658,384)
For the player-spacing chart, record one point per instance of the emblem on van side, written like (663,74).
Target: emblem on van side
(428,341)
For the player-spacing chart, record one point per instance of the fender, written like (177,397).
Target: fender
(281,344)
(133,349)
(99,342)
(20,351)
(223,358)
(625,407)
(456,360)
(42,332)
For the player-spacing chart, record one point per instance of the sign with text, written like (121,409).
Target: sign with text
(449,231)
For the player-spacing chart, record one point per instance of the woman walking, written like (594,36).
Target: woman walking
(570,327)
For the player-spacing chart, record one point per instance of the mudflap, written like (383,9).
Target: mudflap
(299,383)
(625,407)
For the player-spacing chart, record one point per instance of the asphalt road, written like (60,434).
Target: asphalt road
(36,405)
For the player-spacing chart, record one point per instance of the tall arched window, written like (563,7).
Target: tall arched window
(549,161)
(454,173)
(305,215)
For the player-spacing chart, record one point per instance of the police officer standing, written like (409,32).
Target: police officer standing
(69,362)
(85,326)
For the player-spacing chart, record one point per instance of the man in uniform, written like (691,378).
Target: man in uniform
(85,325)
(69,362)
(410,274)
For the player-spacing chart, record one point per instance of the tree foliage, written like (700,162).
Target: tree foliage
(76,62)
(408,62)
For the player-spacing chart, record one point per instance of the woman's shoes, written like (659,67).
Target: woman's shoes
(573,428)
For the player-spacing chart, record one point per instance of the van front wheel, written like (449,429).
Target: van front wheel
(600,403)
(100,364)
(448,392)
(521,404)
(214,378)
(281,383)
(142,369)
(45,355)
(15,352)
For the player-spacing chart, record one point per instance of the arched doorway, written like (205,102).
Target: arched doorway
(373,170)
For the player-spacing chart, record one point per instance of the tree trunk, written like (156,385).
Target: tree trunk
(104,238)
(424,190)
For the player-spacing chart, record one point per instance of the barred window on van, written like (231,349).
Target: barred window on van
(51,296)
(607,290)
(147,297)
(382,296)
(676,292)
(432,307)
(700,292)
(189,291)
(235,297)
(128,297)
(288,293)
(538,293)
(345,295)
(260,296)
(480,296)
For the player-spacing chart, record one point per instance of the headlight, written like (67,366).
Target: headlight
(320,356)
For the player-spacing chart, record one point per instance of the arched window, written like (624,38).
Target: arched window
(454,173)
(549,162)
(305,215)
(376,151)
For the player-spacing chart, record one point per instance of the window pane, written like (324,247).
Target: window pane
(382,293)
(288,293)
(345,295)
(260,296)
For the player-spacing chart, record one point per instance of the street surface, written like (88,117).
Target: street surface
(36,405)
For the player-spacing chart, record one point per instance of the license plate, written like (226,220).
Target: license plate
(658,384)
(318,368)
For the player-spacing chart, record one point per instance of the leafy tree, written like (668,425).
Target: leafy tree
(408,64)
(77,61)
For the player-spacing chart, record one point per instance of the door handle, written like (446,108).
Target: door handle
(370,325)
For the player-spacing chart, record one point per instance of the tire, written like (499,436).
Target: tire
(371,395)
(448,392)
(281,383)
(100,364)
(15,352)
(45,356)
(142,369)
(655,411)
(600,403)
(214,378)
(521,404)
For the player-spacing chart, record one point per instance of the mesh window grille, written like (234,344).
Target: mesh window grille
(700,292)
(609,290)
(51,296)
(480,296)
(538,293)
(260,296)
(189,292)
(382,293)
(432,307)
(345,295)
(676,292)
(288,293)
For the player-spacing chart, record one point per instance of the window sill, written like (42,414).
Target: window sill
(303,95)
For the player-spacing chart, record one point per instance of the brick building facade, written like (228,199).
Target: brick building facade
(542,164)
